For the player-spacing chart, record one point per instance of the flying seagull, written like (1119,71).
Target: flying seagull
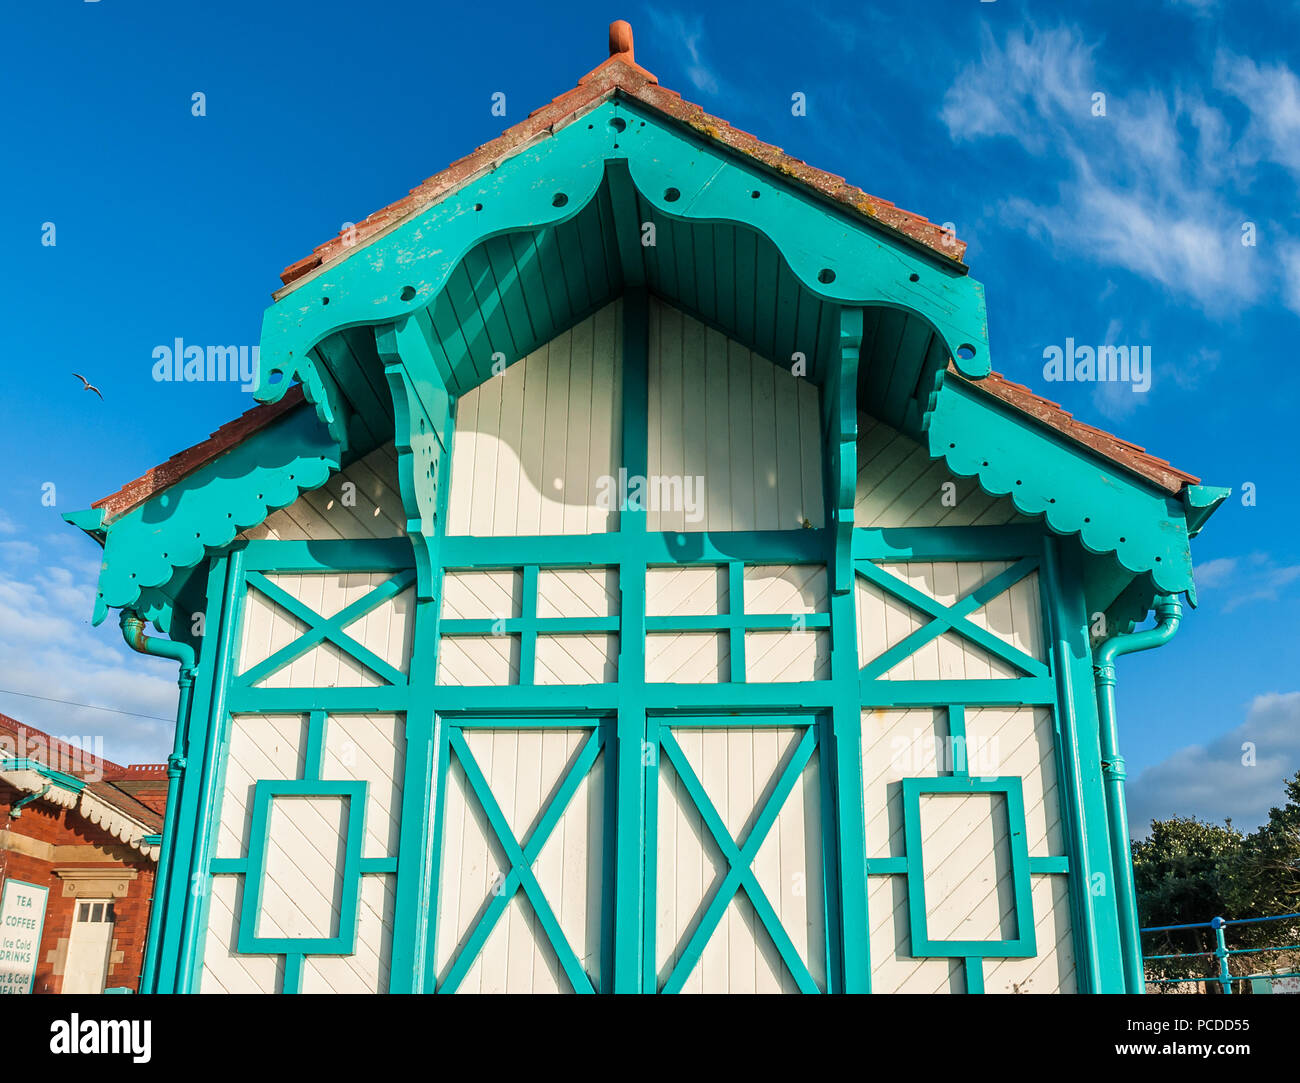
(88,386)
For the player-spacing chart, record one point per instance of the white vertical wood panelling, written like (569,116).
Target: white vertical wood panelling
(386,630)
(361,501)
(262,747)
(687,657)
(1020,741)
(798,654)
(370,748)
(577,592)
(366,969)
(738,768)
(532,441)
(972,895)
(480,660)
(1052,969)
(576,659)
(300,892)
(302,884)
(224,969)
(966,863)
(481,595)
(900,485)
(1014,616)
(523,769)
(893,968)
(748,427)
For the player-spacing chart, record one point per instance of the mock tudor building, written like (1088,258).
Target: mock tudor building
(636,579)
(79,841)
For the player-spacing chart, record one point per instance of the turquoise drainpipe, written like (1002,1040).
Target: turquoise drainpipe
(133,633)
(1169,612)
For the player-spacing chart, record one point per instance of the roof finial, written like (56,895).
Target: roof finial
(620,40)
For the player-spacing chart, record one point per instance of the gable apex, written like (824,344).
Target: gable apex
(621,76)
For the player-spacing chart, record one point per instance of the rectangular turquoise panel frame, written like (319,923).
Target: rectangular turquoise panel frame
(344,941)
(1024,944)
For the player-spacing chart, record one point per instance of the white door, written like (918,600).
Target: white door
(88,948)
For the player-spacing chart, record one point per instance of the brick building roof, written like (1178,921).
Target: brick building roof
(108,781)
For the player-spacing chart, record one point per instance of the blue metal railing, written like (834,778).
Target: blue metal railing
(1221,951)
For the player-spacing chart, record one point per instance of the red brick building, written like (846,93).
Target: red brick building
(78,851)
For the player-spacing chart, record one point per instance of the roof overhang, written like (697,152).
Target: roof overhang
(615,185)
(69,792)
(680,176)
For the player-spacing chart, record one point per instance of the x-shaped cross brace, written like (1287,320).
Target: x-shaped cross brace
(321,628)
(950,618)
(521,860)
(740,874)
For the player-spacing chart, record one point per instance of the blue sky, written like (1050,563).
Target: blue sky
(1122,228)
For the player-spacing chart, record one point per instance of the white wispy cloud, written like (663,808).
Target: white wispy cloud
(1253,578)
(1289,257)
(48,649)
(689,34)
(1271,95)
(1157,185)
(1214,573)
(1217,780)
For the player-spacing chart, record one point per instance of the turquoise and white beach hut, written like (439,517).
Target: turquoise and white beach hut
(636,579)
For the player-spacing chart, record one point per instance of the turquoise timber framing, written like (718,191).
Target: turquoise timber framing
(629,715)
(384,344)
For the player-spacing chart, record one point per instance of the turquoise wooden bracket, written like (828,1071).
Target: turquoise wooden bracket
(1023,944)
(422,433)
(840,427)
(1077,492)
(204,511)
(680,174)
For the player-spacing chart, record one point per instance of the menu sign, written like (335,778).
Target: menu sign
(22,916)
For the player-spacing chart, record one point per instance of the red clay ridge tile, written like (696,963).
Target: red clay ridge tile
(620,74)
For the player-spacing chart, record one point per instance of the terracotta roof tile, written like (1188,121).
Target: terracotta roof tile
(620,74)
